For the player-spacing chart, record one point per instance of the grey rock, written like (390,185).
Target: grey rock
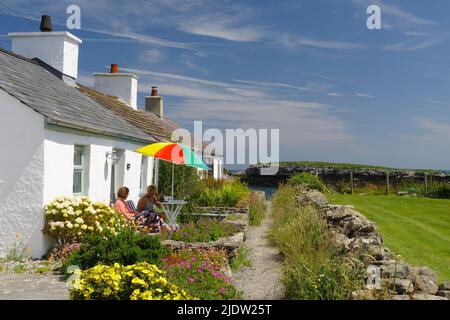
(424,296)
(443,293)
(395,269)
(399,297)
(445,286)
(424,280)
(400,286)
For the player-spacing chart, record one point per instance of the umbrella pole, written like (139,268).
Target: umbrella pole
(173,170)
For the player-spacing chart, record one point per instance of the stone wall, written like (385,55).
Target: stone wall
(333,176)
(356,234)
(221,210)
(230,244)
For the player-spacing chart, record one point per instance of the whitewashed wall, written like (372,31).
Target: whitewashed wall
(58,175)
(21,176)
(36,166)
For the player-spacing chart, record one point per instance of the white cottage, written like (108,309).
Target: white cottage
(59,138)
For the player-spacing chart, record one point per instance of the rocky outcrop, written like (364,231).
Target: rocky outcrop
(355,234)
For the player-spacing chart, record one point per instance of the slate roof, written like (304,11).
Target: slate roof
(160,129)
(41,89)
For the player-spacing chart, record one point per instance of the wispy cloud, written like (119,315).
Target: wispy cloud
(325,77)
(226,28)
(433,132)
(364,95)
(281,85)
(416,45)
(246,104)
(430,100)
(293,41)
(276,85)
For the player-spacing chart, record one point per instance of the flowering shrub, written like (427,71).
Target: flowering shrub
(70,218)
(204,230)
(141,281)
(128,247)
(199,273)
(63,251)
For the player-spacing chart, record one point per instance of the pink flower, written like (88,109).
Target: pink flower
(221,290)
(188,266)
(200,270)
(217,274)
(193,258)
(192,279)
(165,259)
(183,262)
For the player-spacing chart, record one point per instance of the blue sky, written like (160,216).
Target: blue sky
(336,90)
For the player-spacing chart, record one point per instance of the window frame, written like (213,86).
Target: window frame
(81,168)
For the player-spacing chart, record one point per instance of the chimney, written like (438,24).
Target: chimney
(155,103)
(124,86)
(57,49)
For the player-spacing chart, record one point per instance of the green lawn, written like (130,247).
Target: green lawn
(416,228)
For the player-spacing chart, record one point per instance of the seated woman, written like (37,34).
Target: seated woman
(149,203)
(122,206)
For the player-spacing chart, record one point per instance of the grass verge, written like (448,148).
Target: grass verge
(314,268)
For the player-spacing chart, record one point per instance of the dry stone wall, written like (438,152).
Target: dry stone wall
(354,233)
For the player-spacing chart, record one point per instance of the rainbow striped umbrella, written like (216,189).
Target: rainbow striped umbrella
(175,153)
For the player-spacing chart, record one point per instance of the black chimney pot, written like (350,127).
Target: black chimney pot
(46,24)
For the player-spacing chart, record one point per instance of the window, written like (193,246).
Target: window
(79,170)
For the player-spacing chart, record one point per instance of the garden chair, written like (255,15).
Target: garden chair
(132,205)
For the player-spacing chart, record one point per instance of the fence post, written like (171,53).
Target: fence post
(426,183)
(387,183)
(352,186)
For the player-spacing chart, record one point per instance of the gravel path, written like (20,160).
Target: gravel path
(26,286)
(261,281)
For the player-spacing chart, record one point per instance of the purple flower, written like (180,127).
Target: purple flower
(200,270)
(183,262)
(193,258)
(165,259)
(217,274)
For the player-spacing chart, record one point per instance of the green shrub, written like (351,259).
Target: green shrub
(199,273)
(204,230)
(314,267)
(240,260)
(308,180)
(127,248)
(441,191)
(141,281)
(186,178)
(257,210)
(226,195)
